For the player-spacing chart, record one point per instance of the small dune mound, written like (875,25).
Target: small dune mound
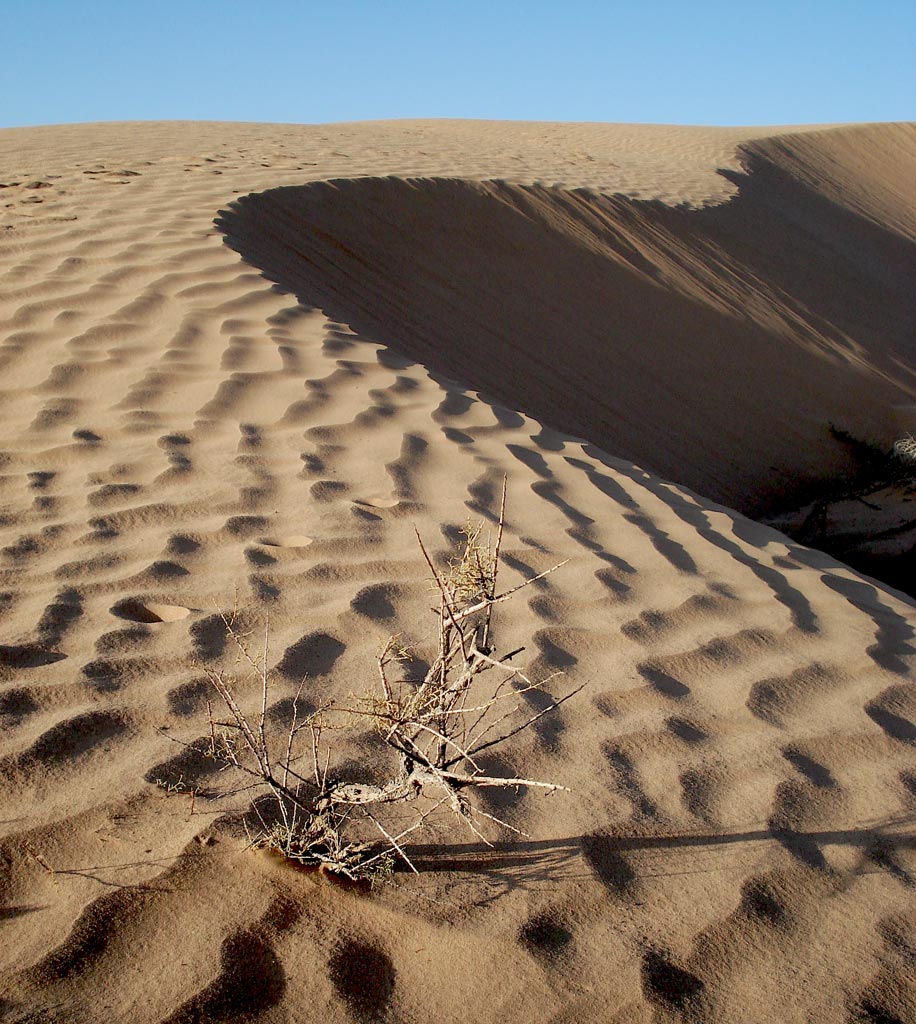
(377,501)
(28,655)
(290,540)
(150,612)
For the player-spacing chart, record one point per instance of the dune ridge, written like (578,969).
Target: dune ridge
(536,294)
(182,433)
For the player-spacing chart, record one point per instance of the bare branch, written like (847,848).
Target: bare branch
(394,842)
(512,732)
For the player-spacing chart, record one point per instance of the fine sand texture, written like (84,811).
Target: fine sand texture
(240,363)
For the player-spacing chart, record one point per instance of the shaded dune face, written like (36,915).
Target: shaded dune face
(714,345)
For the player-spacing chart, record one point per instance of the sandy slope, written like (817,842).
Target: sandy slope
(178,428)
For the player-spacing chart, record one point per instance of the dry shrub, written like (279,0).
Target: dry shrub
(470,701)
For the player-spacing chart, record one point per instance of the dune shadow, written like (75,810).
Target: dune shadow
(612,319)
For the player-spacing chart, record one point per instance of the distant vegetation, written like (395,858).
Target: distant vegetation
(877,538)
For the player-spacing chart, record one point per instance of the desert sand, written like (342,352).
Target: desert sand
(240,362)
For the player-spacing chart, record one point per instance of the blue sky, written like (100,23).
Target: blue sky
(709,62)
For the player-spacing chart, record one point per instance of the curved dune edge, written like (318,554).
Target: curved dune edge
(739,840)
(714,345)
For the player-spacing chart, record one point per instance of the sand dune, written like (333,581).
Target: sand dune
(776,314)
(239,362)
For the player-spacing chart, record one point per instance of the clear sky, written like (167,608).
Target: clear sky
(707,62)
